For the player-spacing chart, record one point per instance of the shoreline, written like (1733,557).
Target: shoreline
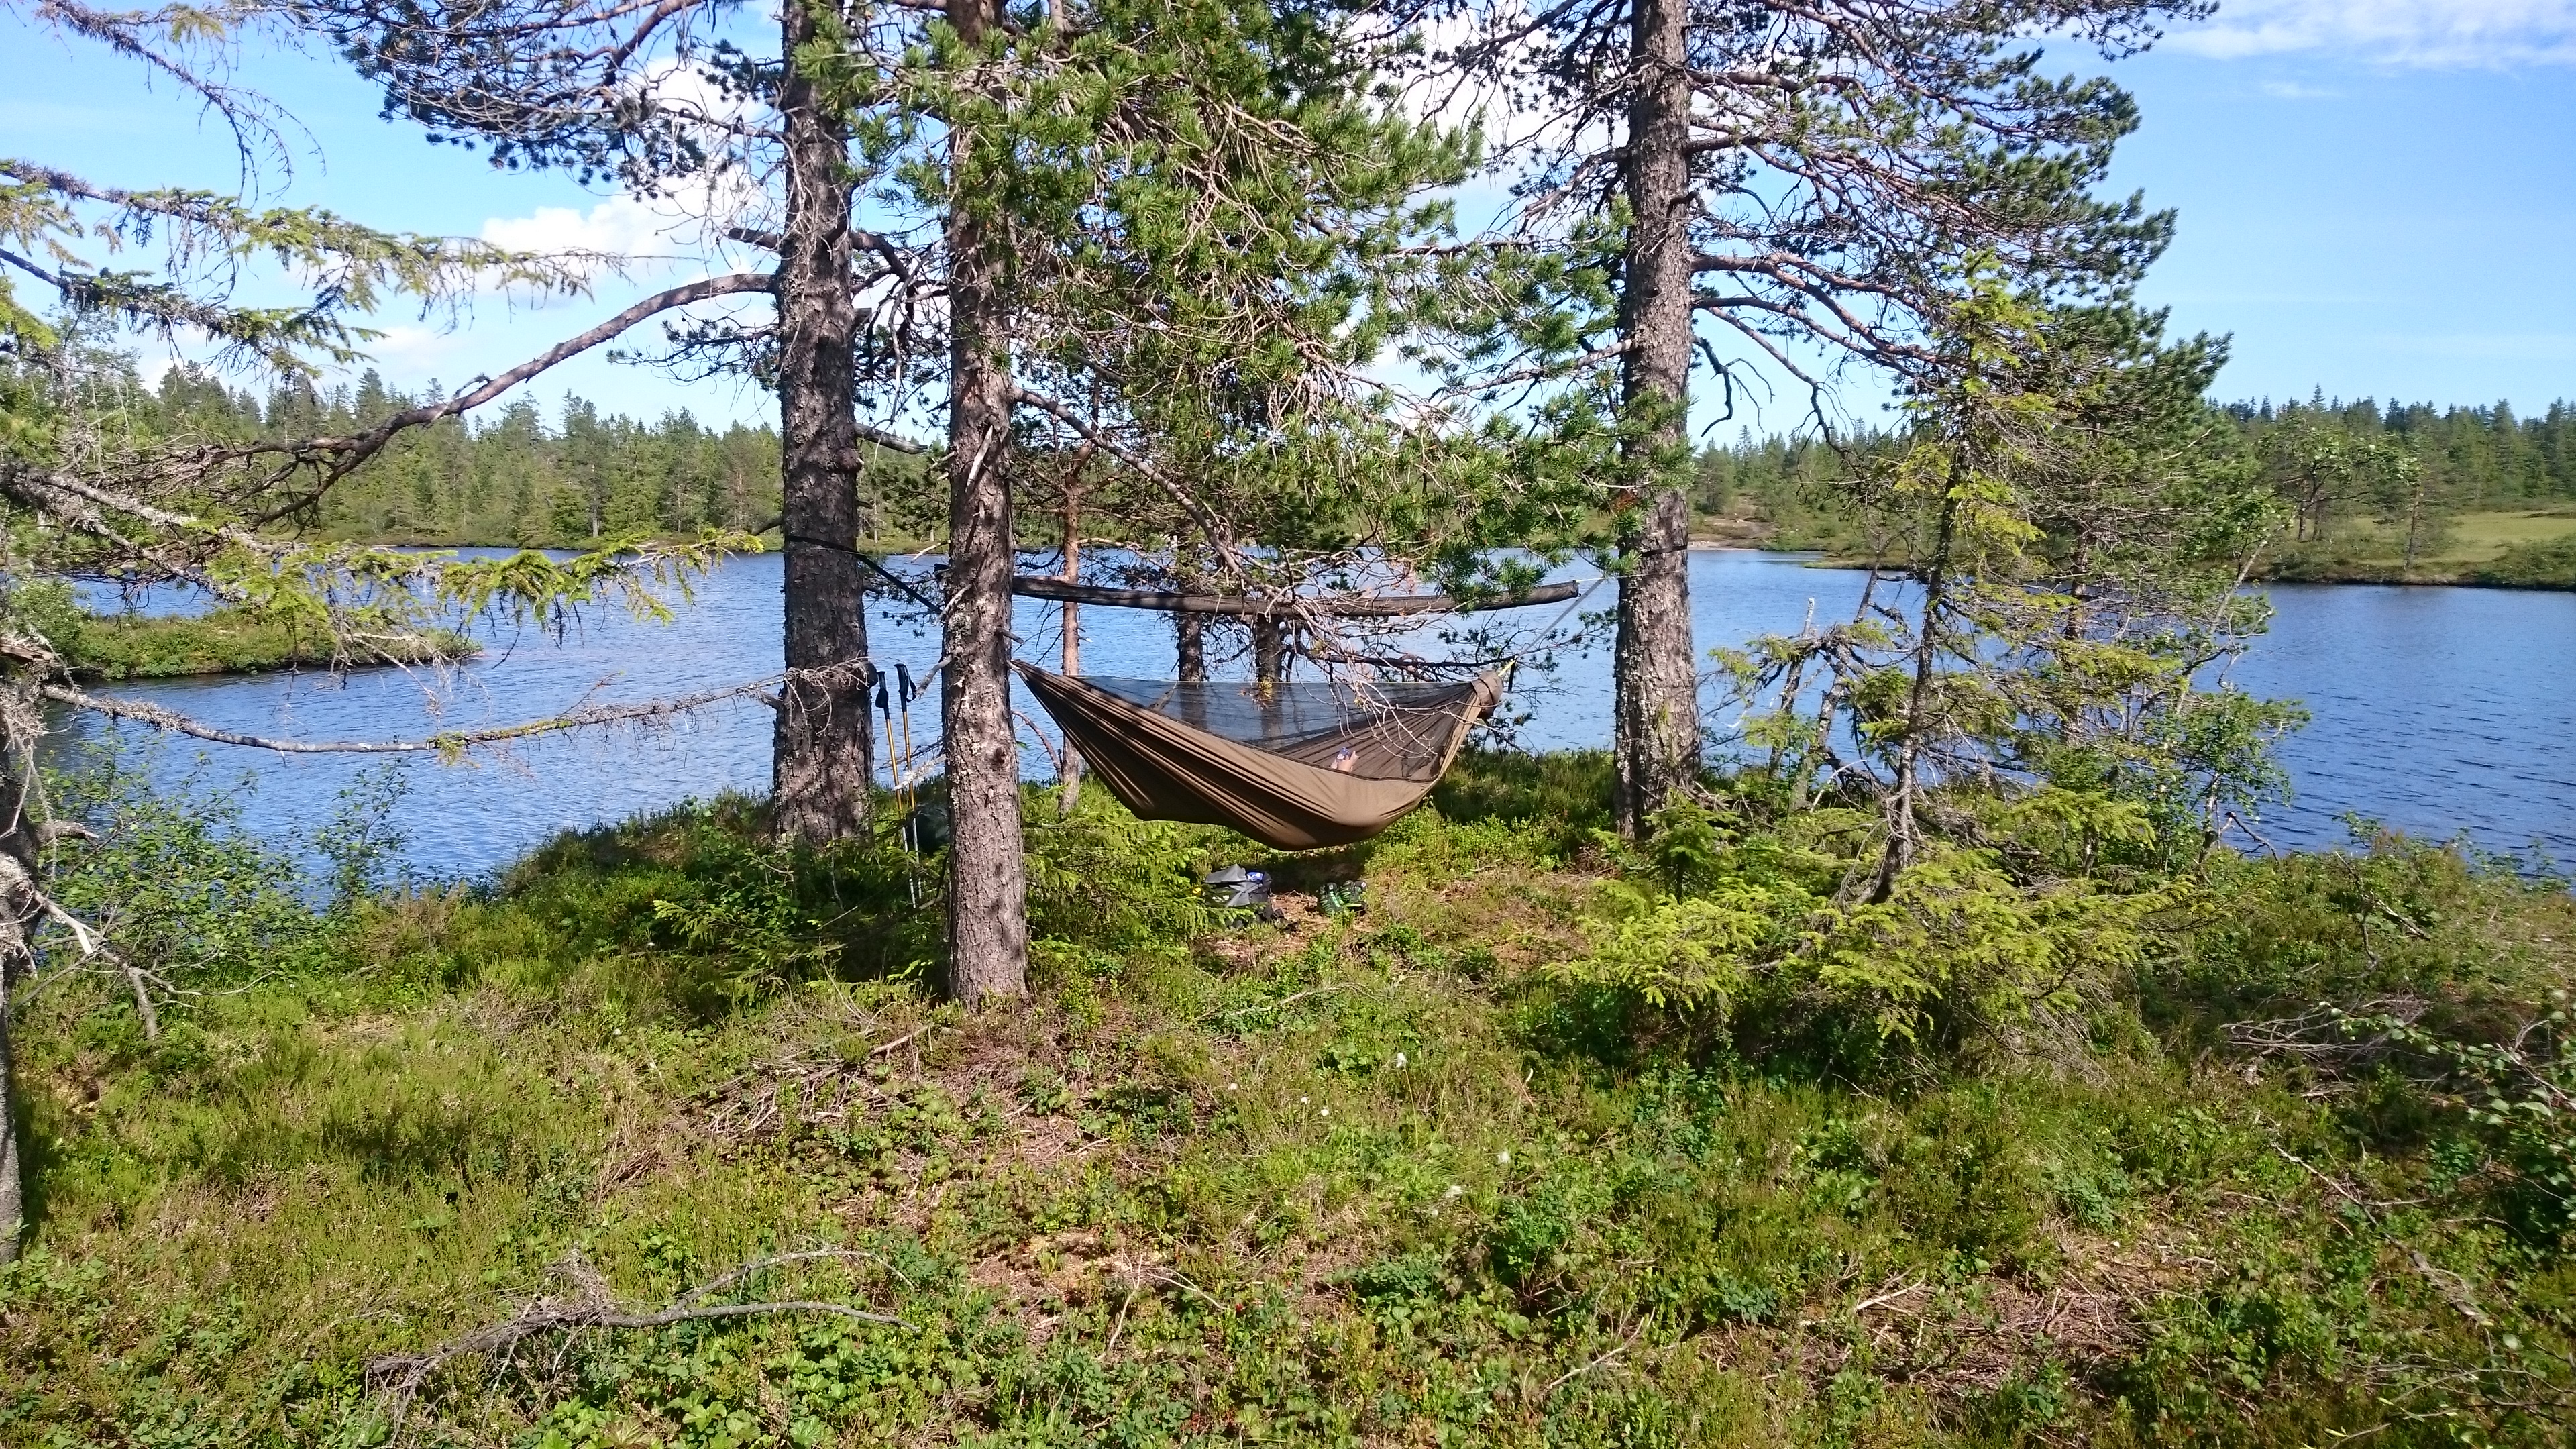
(2320,575)
(2477,576)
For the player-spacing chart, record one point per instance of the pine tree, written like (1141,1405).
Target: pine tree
(1099,205)
(1798,180)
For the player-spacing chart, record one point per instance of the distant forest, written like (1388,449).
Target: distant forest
(2473,458)
(516,478)
(511,479)
(521,478)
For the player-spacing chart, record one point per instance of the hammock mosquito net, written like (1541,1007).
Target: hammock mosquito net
(1295,766)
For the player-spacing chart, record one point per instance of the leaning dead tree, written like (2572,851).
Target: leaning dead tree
(1236,606)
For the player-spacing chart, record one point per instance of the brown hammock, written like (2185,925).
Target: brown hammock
(1294,766)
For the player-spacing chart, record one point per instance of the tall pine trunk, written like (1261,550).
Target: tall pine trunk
(13,1190)
(1655,734)
(823,754)
(1189,631)
(988,938)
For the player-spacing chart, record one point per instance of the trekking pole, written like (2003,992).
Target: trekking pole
(911,801)
(894,770)
(895,791)
(903,678)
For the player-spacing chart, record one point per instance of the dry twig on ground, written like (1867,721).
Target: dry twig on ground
(589,1305)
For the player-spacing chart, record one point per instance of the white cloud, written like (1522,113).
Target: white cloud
(675,236)
(686,219)
(2293,91)
(2437,33)
(412,351)
(620,226)
(152,366)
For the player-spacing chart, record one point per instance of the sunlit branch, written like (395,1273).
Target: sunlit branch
(347,453)
(447,743)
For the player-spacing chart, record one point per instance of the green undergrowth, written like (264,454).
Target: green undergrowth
(1443,1172)
(2549,564)
(2507,551)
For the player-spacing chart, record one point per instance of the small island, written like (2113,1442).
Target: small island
(231,641)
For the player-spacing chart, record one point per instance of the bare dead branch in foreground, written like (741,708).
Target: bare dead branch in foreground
(345,454)
(2322,1036)
(402,1375)
(449,743)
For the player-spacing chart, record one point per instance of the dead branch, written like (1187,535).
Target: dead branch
(402,1375)
(881,1048)
(51,832)
(449,743)
(15,881)
(1561,1380)
(2322,1036)
(897,442)
(761,1265)
(347,453)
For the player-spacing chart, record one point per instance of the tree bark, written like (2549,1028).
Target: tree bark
(1655,733)
(823,755)
(1903,838)
(19,850)
(987,872)
(13,1188)
(1189,630)
(1269,649)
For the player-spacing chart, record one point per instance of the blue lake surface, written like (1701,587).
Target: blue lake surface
(2438,711)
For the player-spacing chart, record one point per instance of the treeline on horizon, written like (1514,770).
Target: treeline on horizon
(515,477)
(520,478)
(2463,460)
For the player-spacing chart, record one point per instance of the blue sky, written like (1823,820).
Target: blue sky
(2373,217)
(2377,197)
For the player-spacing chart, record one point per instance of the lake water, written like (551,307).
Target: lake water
(2438,711)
